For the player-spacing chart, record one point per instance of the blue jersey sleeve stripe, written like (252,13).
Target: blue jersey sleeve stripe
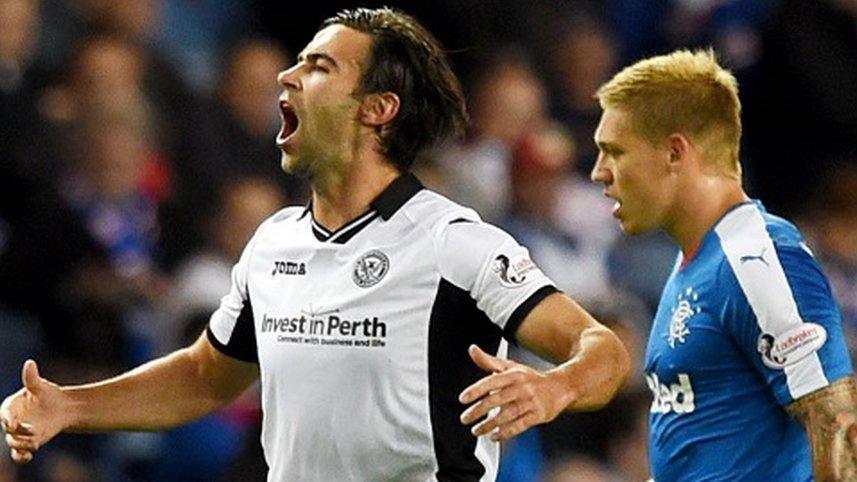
(754,261)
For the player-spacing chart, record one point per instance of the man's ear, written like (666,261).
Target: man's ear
(679,151)
(379,109)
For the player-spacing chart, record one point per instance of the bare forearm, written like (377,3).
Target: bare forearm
(820,413)
(597,367)
(163,393)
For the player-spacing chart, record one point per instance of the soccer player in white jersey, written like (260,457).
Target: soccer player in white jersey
(746,359)
(375,316)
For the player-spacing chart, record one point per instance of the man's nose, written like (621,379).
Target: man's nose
(599,173)
(288,79)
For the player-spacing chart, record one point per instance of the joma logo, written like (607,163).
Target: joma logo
(288,268)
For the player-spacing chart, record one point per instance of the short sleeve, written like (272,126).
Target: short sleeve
(231,329)
(784,317)
(494,269)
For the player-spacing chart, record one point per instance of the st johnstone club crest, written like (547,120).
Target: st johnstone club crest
(370,268)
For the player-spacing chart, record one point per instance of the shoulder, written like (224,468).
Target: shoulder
(751,227)
(435,213)
(754,241)
(281,219)
(771,264)
(285,215)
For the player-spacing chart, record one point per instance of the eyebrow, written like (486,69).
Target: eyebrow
(314,57)
(608,146)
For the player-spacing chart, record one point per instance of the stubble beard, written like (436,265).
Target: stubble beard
(296,165)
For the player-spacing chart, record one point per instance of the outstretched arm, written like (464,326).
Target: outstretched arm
(593,364)
(163,393)
(829,416)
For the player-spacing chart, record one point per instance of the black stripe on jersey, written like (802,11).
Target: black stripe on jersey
(345,232)
(321,234)
(461,220)
(344,235)
(307,209)
(524,309)
(454,325)
(242,343)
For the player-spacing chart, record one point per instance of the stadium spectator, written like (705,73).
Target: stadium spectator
(830,220)
(800,118)
(507,101)
(234,136)
(641,265)
(230,138)
(21,77)
(200,281)
(561,218)
(581,56)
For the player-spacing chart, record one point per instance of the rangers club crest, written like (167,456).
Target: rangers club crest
(682,312)
(370,268)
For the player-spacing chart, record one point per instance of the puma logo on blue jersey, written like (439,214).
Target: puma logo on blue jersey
(760,257)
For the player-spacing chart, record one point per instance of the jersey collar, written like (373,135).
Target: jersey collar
(710,235)
(402,189)
(396,195)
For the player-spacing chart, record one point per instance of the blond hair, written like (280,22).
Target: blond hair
(686,92)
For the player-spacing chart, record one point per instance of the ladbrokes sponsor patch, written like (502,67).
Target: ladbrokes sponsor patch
(791,346)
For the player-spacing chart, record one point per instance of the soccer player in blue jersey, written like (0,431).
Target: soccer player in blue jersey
(746,359)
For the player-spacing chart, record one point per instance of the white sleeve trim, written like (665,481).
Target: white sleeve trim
(753,258)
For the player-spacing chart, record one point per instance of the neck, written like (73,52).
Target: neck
(340,197)
(701,206)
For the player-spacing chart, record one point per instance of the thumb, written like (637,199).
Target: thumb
(30,377)
(487,362)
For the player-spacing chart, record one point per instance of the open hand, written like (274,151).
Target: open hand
(523,396)
(33,415)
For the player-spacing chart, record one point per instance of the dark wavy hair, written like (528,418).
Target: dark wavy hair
(407,60)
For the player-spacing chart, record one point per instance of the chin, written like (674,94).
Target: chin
(632,229)
(629,227)
(293,165)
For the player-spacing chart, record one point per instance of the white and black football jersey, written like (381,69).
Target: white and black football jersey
(361,335)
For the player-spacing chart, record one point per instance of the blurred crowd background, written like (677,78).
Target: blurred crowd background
(137,157)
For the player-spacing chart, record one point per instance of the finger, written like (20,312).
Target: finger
(488,362)
(486,404)
(11,425)
(8,422)
(510,430)
(23,444)
(30,377)
(21,456)
(508,413)
(23,428)
(486,385)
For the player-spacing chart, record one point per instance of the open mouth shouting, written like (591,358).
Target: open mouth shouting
(290,124)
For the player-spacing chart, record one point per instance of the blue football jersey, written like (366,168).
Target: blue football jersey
(744,327)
